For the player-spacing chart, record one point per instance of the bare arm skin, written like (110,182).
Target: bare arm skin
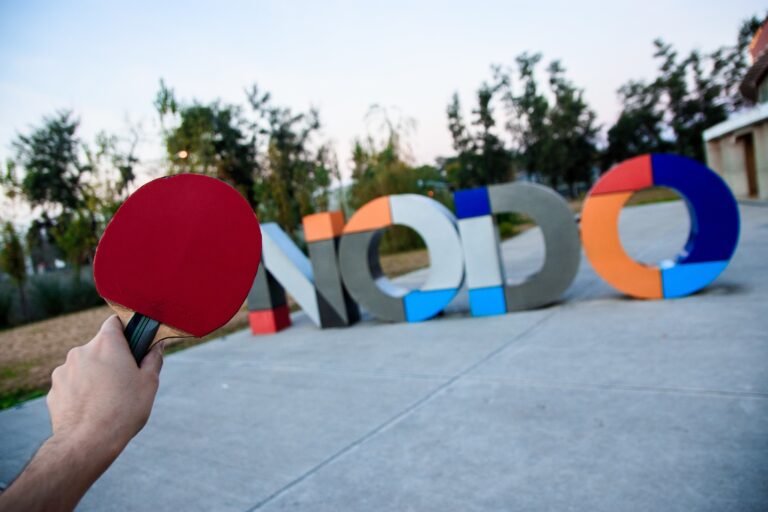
(99,400)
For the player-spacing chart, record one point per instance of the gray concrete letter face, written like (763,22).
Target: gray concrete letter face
(266,292)
(363,277)
(561,241)
(336,307)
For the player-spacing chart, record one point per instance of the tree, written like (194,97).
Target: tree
(12,262)
(63,178)
(295,175)
(270,156)
(640,127)
(110,163)
(481,157)
(49,157)
(209,139)
(573,132)
(554,134)
(75,237)
(690,94)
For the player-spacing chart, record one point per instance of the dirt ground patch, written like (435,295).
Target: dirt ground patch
(29,353)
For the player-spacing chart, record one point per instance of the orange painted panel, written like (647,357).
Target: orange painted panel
(633,174)
(373,215)
(323,226)
(600,236)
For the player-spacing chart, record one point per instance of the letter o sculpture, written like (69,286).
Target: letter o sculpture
(361,270)
(711,242)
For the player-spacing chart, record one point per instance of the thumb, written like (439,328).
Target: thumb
(153,361)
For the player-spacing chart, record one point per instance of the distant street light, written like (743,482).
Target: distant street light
(182,154)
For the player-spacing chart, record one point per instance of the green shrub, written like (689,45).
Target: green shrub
(398,239)
(50,297)
(83,297)
(507,230)
(56,295)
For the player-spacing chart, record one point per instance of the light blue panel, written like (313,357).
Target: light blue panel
(423,305)
(290,267)
(487,301)
(686,278)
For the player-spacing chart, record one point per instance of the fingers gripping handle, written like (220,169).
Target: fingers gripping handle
(140,332)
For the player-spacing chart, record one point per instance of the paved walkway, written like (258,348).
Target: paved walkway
(601,403)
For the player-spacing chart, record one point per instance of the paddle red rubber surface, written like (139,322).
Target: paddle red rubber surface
(182,250)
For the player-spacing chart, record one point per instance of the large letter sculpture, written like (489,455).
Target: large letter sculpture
(712,240)
(322,232)
(488,292)
(344,268)
(361,270)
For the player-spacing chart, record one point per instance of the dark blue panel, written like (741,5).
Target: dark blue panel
(472,202)
(711,205)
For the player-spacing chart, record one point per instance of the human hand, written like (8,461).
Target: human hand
(98,401)
(99,398)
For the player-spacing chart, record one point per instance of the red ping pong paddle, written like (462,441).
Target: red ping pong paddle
(177,259)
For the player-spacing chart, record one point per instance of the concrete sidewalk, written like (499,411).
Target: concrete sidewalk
(600,403)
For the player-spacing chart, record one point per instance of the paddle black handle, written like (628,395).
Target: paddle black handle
(140,332)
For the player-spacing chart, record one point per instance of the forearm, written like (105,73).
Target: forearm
(59,474)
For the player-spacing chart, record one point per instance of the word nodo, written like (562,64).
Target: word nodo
(343,271)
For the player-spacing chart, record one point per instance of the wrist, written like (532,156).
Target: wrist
(90,445)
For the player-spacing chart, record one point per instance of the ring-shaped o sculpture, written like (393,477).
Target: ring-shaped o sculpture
(711,242)
(361,270)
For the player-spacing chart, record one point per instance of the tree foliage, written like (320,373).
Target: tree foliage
(690,93)
(267,152)
(481,158)
(49,157)
(63,178)
(553,132)
(211,139)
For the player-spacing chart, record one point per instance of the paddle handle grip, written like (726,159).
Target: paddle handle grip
(140,332)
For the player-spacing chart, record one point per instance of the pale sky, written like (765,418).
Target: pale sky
(104,59)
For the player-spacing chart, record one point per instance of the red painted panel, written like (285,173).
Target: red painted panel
(629,176)
(268,321)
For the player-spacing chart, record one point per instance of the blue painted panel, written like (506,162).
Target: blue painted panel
(423,305)
(487,301)
(472,202)
(684,279)
(711,205)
